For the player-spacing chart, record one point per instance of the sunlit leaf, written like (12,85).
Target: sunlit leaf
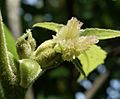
(91,58)
(100,33)
(49,25)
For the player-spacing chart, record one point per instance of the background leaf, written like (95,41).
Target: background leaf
(92,58)
(49,25)
(100,33)
(11,45)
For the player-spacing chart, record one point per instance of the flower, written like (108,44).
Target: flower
(70,43)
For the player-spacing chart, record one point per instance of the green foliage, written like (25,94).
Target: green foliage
(49,25)
(100,33)
(72,43)
(10,41)
(94,13)
(91,58)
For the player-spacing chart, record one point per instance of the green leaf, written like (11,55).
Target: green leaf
(100,33)
(11,45)
(49,25)
(91,58)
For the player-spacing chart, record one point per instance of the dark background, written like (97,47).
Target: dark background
(61,82)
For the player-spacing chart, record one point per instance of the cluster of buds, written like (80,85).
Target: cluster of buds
(66,45)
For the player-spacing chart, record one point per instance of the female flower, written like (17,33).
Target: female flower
(69,41)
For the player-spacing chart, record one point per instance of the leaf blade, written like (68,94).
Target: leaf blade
(49,25)
(100,33)
(88,58)
(10,41)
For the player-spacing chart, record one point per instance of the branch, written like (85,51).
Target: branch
(96,85)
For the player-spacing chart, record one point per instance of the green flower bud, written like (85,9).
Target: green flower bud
(29,71)
(46,56)
(26,45)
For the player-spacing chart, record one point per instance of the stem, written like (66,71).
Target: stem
(6,72)
(97,85)
(78,66)
(9,88)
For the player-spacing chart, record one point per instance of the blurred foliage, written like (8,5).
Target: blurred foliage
(61,82)
(10,42)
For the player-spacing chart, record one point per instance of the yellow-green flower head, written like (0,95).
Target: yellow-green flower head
(70,43)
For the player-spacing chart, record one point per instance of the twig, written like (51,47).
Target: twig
(96,85)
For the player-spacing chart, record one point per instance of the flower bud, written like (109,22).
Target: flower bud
(46,56)
(25,45)
(29,71)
